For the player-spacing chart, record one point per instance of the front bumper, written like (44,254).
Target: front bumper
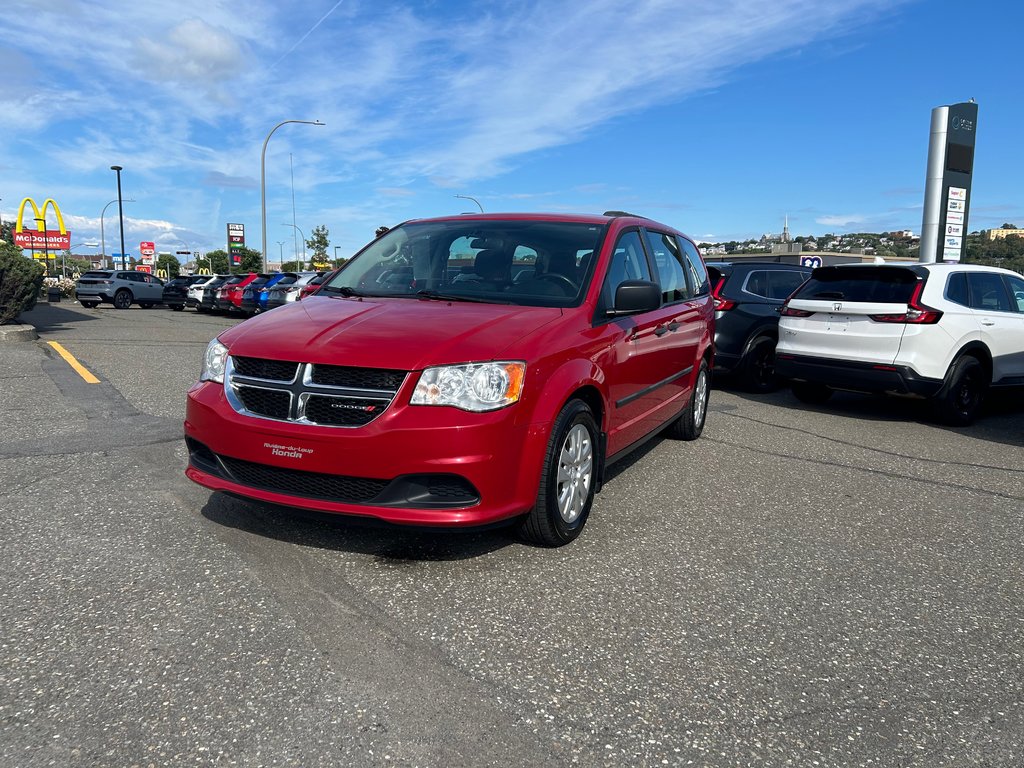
(430,466)
(856,376)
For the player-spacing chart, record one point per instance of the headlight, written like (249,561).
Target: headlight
(214,361)
(472,387)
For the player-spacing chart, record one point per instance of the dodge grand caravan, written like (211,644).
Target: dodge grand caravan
(463,371)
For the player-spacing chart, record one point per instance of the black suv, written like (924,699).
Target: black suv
(748,297)
(176,290)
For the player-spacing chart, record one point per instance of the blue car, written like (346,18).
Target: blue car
(254,299)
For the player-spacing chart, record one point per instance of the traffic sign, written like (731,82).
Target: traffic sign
(810,261)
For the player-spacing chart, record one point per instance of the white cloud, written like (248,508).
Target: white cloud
(841,220)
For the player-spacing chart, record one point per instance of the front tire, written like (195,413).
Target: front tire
(566,491)
(90,304)
(959,401)
(690,423)
(123,299)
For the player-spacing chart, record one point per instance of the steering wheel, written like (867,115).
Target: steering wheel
(561,279)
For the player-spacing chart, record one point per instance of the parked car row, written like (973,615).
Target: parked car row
(946,333)
(246,294)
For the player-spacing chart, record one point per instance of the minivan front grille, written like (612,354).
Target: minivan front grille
(326,395)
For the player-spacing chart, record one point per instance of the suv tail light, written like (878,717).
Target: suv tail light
(788,311)
(916,314)
(721,304)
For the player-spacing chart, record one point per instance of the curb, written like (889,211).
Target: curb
(17,333)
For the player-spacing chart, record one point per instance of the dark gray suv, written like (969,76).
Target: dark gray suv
(748,297)
(122,288)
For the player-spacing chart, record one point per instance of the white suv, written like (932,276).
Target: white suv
(940,331)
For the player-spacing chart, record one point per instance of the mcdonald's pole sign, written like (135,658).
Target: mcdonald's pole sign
(41,239)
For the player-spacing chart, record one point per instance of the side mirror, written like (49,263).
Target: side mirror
(633,296)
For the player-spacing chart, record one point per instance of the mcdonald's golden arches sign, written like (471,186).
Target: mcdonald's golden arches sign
(41,239)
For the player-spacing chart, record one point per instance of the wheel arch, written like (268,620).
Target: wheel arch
(976,349)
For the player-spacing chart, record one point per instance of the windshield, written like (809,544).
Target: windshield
(531,263)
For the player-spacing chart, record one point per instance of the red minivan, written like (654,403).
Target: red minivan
(463,371)
(229,298)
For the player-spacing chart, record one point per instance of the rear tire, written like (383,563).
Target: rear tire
(567,479)
(123,299)
(811,392)
(757,373)
(691,421)
(178,307)
(959,401)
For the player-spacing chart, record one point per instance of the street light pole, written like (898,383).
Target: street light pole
(263,182)
(303,236)
(467,197)
(120,211)
(103,240)
(280,251)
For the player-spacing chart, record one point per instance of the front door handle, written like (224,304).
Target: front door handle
(660,330)
(673,326)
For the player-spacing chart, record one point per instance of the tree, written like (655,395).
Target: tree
(21,280)
(252,261)
(318,244)
(215,261)
(1008,226)
(293,266)
(169,263)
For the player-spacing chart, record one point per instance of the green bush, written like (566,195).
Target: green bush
(21,280)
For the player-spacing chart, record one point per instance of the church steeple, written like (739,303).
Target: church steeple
(785,230)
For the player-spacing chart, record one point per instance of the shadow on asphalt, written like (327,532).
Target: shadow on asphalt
(1001,419)
(48,317)
(391,543)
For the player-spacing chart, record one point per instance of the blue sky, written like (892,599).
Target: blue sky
(718,117)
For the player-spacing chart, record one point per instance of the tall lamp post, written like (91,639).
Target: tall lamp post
(303,236)
(467,197)
(280,251)
(103,239)
(120,211)
(263,182)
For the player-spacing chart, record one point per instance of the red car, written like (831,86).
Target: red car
(229,297)
(463,371)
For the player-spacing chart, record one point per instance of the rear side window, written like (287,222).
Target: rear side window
(956,289)
(698,273)
(775,284)
(988,292)
(878,285)
(1017,291)
(671,265)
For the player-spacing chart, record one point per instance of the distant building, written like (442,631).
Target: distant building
(1002,234)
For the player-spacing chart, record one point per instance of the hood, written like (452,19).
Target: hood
(406,334)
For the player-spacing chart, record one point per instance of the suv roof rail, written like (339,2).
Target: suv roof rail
(623,213)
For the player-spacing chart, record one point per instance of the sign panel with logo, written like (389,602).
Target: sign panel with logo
(948,192)
(236,242)
(144,268)
(42,239)
(147,249)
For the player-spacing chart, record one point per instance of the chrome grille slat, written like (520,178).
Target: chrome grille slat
(298,392)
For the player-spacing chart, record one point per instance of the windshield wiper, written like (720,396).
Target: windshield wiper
(438,296)
(344,290)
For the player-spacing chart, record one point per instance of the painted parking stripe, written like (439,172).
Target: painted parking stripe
(80,369)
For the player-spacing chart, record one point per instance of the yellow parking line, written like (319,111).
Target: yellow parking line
(80,369)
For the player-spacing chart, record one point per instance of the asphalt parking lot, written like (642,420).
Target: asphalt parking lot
(834,586)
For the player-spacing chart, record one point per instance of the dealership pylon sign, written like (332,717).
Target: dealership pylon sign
(41,239)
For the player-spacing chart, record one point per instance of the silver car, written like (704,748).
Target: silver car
(122,288)
(287,289)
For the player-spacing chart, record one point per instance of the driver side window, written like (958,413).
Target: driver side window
(629,262)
